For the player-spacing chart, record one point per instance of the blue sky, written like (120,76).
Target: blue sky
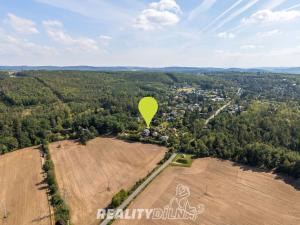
(219,33)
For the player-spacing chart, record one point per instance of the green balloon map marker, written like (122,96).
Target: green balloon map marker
(148,107)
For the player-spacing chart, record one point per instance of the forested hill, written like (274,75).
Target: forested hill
(261,126)
(37,105)
(286,70)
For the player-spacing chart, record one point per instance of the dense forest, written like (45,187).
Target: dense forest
(264,130)
(265,134)
(57,105)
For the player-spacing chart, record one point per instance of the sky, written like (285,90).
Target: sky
(152,33)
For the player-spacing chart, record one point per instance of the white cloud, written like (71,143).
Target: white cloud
(11,45)
(152,19)
(268,33)
(204,6)
(235,4)
(56,32)
(247,47)
(222,53)
(248,59)
(105,40)
(117,14)
(21,25)
(269,16)
(158,15)
(273,4)
(286,51)
(236,14)
(251,47)
(166,5)
(293,7)
(15,49)
(52,23)
(105,37)
(226,35)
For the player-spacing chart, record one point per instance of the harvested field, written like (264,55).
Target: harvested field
(231,195)
(22,191)
(88,176)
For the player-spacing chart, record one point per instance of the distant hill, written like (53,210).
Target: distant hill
(292,70)
(287,70)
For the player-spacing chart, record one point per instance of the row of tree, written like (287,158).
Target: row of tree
(61,210)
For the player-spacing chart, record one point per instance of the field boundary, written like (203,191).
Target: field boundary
(140,188)
(51,213)
(61,209)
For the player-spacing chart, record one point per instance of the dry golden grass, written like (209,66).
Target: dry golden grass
(88,176)
(22,190)
(231,195)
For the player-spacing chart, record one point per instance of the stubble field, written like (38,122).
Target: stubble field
(231,194)
(22,190)
(88,176)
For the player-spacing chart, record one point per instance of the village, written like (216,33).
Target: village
(186,100)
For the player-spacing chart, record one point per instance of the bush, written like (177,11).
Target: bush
(118,198)
(183,161)
(56,200)
(62,214)
(48,166)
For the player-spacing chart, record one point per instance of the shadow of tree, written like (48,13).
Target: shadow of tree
(278,176)
(39,219)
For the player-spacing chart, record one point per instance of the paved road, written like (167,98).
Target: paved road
(142,186)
